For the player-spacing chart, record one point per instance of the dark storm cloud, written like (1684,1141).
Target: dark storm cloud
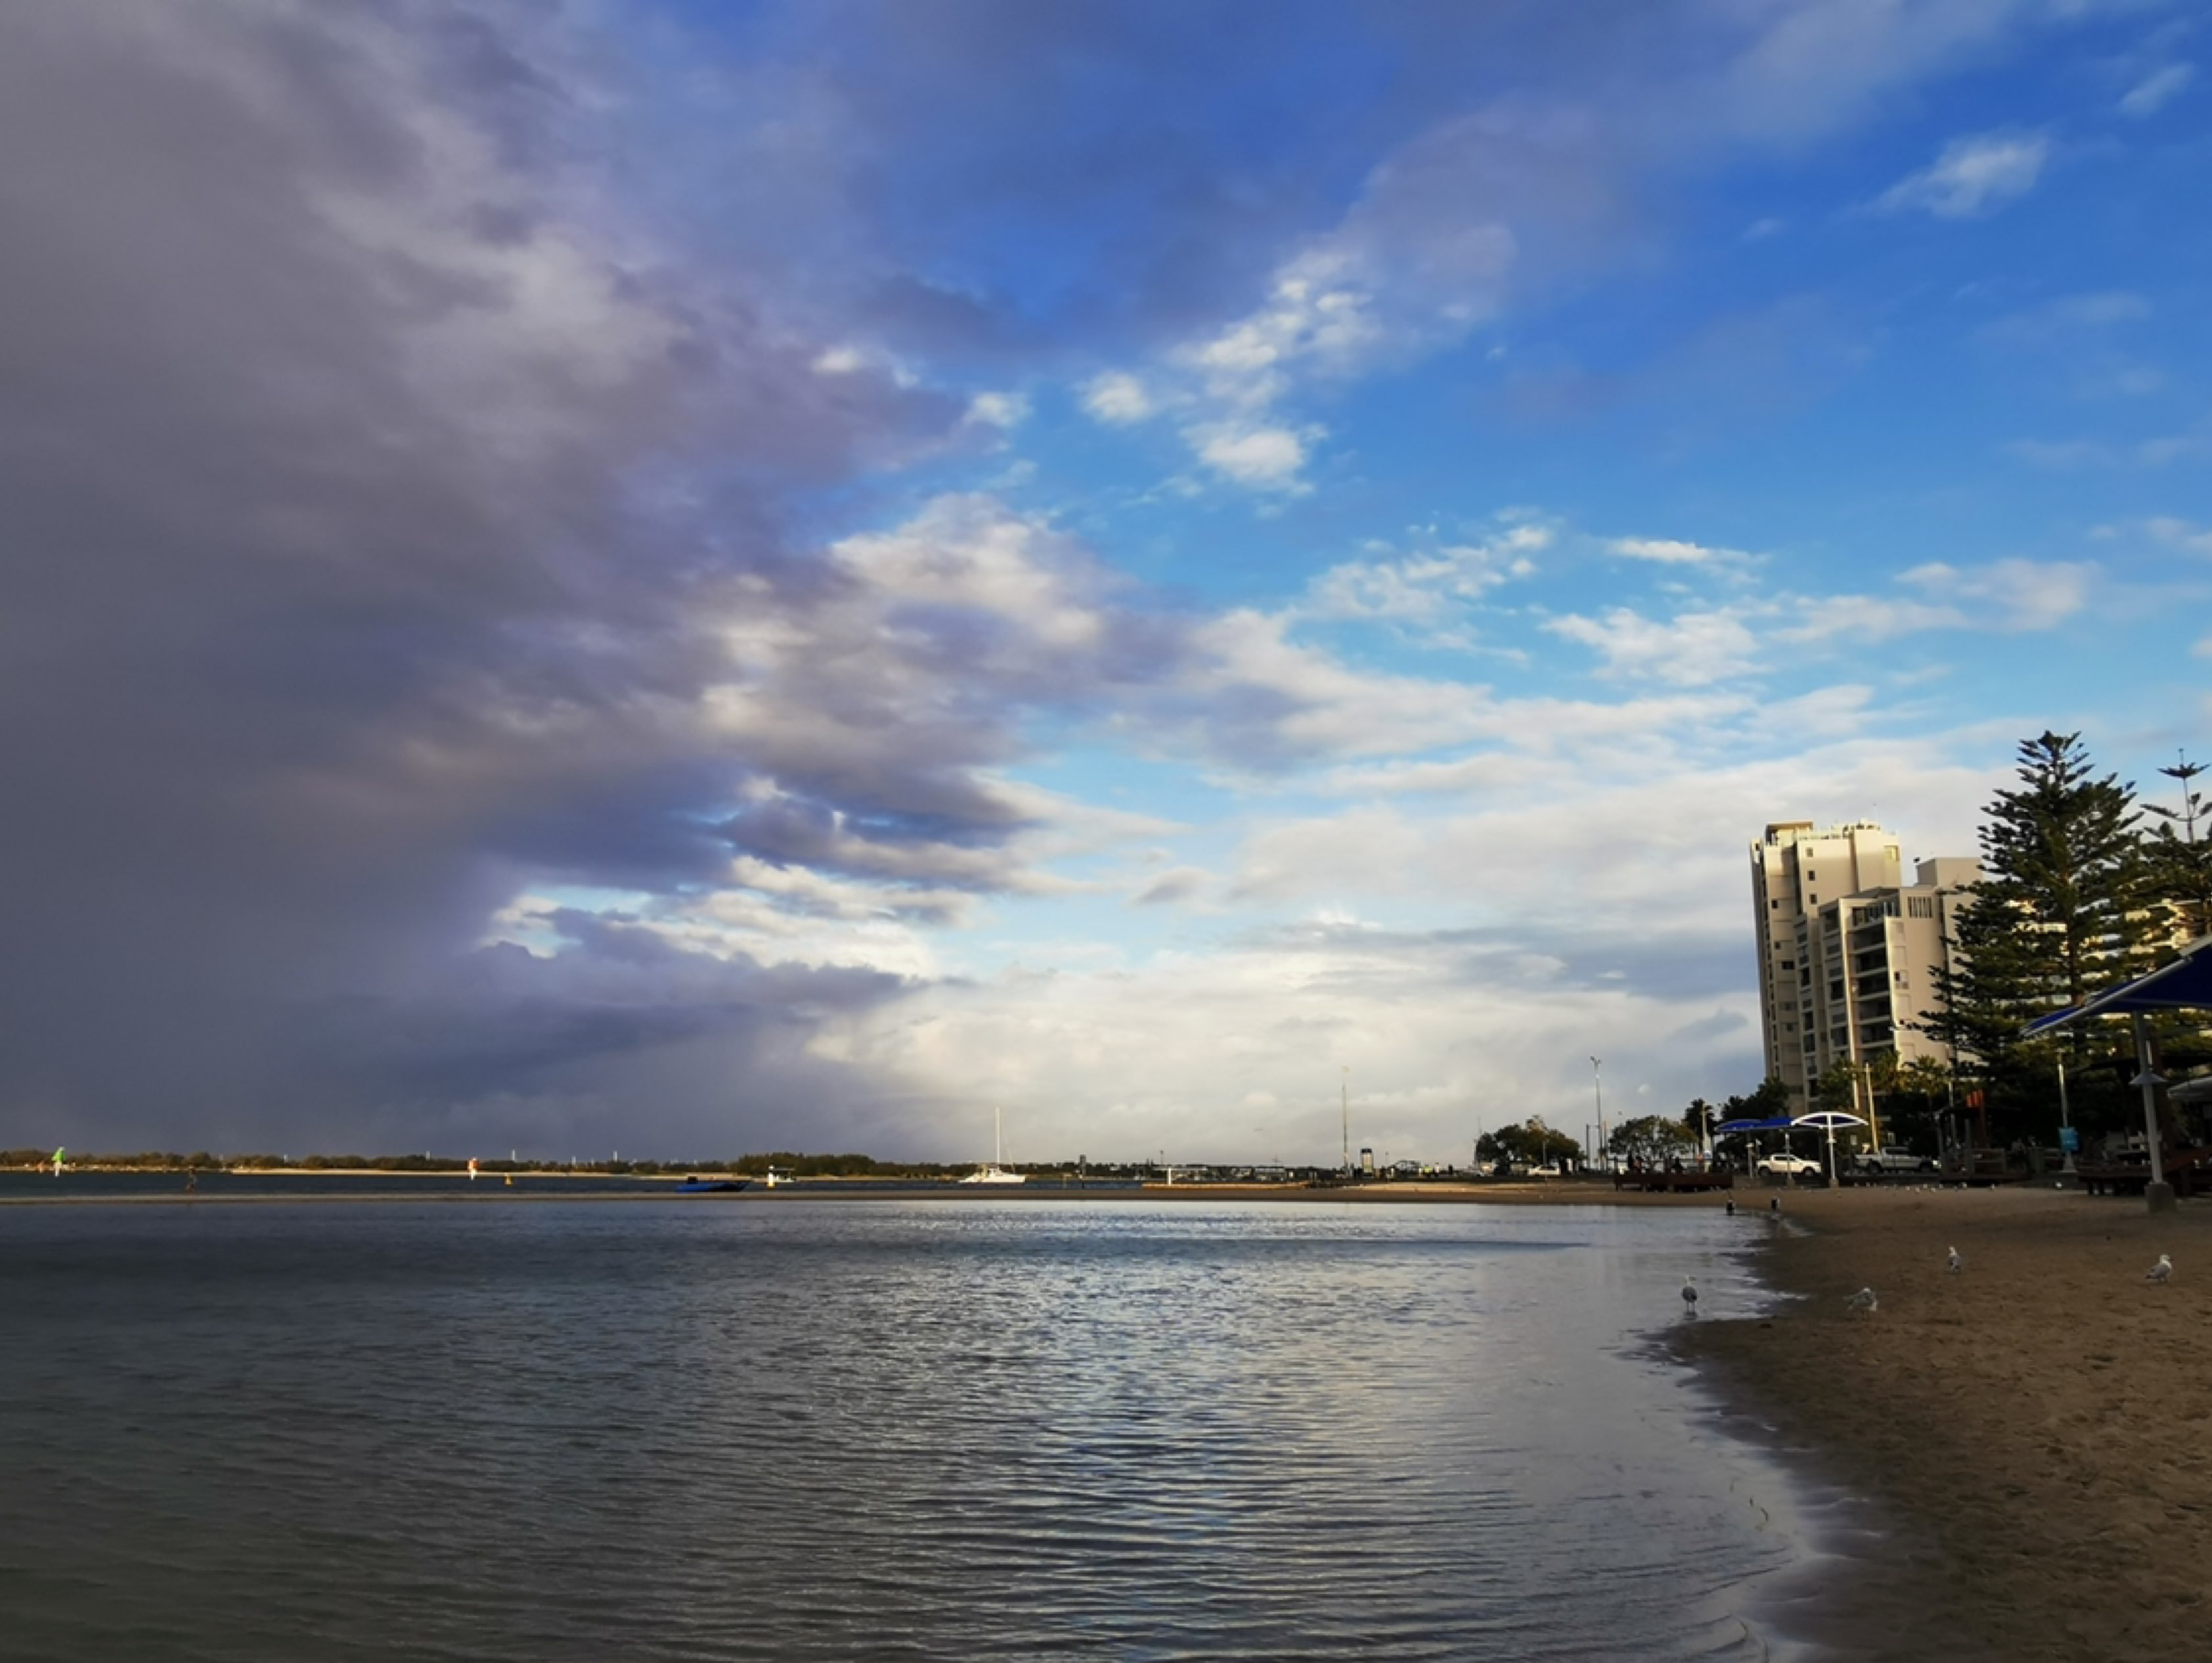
(338,598)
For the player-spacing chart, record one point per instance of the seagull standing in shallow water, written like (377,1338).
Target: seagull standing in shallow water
(2161,1272)
(1689,1297)
(1863,1300)
(1955,1261)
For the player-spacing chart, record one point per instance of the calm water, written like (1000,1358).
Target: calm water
(791,1429)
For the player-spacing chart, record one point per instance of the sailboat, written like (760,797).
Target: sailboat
(994,1173)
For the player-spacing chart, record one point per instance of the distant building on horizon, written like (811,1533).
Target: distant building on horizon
(1848,952)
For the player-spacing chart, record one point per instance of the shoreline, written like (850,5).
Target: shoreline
(539,1188)
(2017,1460)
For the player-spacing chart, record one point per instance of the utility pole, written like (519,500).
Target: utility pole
(1344,1099)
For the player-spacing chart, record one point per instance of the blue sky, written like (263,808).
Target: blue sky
(704,577)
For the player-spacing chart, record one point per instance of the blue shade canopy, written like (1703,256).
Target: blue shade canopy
(2185,984)
(1726,1127)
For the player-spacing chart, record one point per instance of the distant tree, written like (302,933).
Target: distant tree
(1916,1095)
(2179,853)
(1532,1143)
(2058,914)
(1652,1139)
(1698,1121)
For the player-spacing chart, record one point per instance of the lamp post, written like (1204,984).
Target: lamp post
(1344,1101)
(1597,1090)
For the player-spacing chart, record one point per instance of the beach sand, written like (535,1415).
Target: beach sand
(2037,1428)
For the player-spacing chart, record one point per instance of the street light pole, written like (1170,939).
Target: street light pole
(1344,1101)
(1597,1089)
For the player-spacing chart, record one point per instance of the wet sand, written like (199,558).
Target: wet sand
(2035,1431)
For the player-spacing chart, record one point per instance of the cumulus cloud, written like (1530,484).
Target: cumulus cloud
(1267,458)
(1118,398)
(1973,176)
(1430,586)
(997,409)
(2018,595)
(1689,649)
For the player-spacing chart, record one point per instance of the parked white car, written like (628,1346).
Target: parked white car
(1785,1166)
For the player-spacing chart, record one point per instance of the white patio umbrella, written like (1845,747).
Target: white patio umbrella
(1827,1120)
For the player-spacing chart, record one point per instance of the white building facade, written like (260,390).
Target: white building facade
(1848,953)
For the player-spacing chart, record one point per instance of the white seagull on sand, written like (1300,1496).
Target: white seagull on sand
(1689,1297)
(1863,1300)
(2161,1272)
(1955,1261)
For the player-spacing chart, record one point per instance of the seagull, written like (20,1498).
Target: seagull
(1863,1300)
(1955,1261)
(2159,1272)
(1689,1297)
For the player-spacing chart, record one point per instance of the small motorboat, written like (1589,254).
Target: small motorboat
(711,1185)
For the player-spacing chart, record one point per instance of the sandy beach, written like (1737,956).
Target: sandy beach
(2037,1428)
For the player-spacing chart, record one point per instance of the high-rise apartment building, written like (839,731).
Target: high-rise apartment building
(1848,953)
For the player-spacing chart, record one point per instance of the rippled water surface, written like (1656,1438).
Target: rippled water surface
(787,1429)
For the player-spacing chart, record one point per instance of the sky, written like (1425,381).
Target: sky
(691,578)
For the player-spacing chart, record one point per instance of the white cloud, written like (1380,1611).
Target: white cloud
(1690,649)
(1429,586)
(1973,176)
(2181,534)
(1267,458)
(997,409)
(1119,399)
(1866,618)
(2014,595)
(1668,551)
(2153,92)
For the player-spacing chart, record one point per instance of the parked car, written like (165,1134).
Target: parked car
(1892,1160)
(1786,1166)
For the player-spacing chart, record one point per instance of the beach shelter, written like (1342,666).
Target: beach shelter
(1730,1128)
(2183,985)
(1827,1120)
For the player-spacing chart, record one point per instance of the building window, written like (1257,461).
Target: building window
(1790,964)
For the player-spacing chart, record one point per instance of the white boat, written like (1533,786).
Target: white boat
(994,1173)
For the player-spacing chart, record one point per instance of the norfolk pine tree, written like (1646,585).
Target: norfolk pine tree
(2058,915)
